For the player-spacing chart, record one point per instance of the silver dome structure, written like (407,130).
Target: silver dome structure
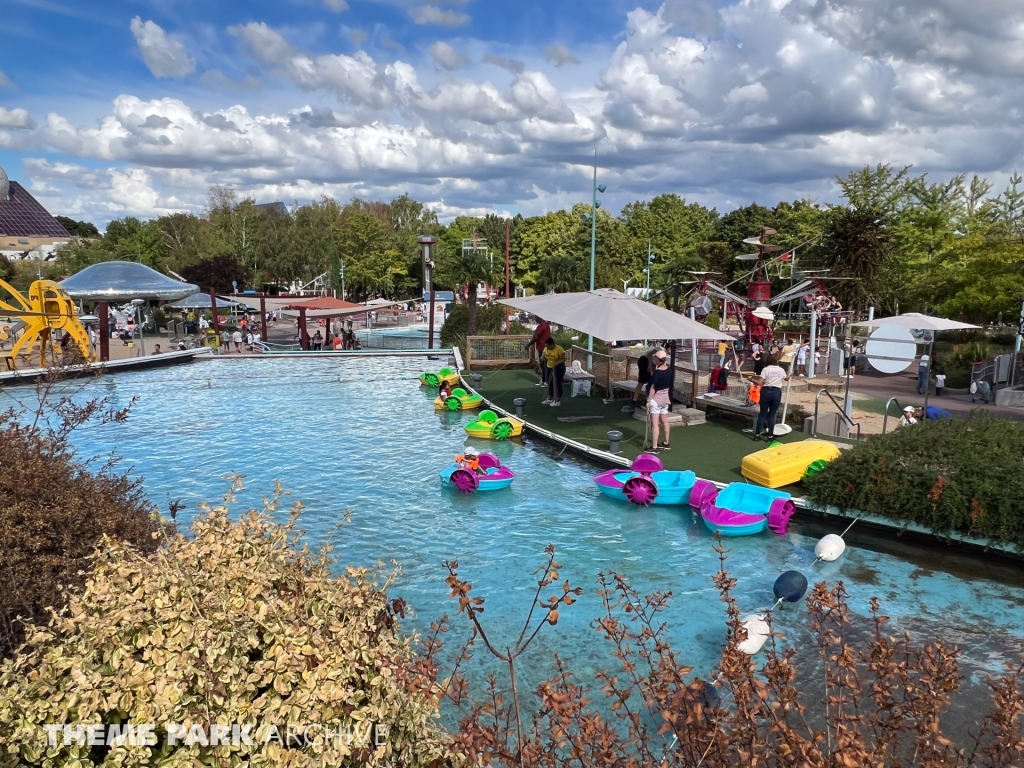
(5,185)
(124,280)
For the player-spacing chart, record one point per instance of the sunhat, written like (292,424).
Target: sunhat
(660,354)
(908,408)
(471,451)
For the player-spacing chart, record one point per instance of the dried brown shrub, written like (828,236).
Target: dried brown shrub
(876,703)
(55,507)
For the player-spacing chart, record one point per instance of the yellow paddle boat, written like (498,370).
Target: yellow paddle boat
(780,465)
(489,426)
(436,379)
(458,400)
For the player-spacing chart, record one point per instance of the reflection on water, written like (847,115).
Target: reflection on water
(360,434)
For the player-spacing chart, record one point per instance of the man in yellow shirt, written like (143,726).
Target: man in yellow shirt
(554,358)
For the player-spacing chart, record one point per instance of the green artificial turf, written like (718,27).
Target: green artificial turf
(713,450)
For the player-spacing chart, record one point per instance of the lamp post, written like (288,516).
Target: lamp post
(426,242)
(647,271)
(136,303)
(592,217)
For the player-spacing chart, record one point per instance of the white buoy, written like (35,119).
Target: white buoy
(757,633)
(830,547)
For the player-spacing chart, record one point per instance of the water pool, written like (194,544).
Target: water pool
(360,434)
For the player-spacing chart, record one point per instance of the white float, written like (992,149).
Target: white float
(829,548)
(757,633)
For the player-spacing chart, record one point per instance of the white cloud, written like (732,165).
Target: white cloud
(164,56)
(216,80)
(5,81)
(446,56)
(753,93)
(560,54)
(356,36)
(16,118)
(431,14)
(336,5)
(512,65)
(761,99)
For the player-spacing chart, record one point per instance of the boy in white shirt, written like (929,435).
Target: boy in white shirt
(940,383)
(801,359)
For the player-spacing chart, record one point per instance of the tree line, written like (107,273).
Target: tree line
(909,243)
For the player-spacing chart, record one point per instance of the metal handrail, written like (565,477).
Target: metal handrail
(885,417)
(842,412)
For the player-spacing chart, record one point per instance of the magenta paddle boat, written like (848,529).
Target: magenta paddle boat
(647,482)
(742,509)
(490,475)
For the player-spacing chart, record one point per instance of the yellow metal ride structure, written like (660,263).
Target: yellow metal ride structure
(47,308)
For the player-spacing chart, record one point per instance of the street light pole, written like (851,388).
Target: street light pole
(594,205)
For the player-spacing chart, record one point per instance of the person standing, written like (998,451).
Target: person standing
(801,358)
(643,374)
(738,350)
(786,355)
(225,340)
(854,353)
(922,375)
(759,355)
(940,384)
(236,337)
(659,399)
(554,358)
(771,396)
(541,334)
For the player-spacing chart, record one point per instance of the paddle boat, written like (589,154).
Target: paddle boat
(489,426)
(647,482)
(779,464)
(741,509)
(473,472)
(435,379)
(458,400)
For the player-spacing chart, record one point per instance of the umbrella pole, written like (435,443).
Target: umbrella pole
(927,376)
(784,428)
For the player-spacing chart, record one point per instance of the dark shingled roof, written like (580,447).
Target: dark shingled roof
(23,216)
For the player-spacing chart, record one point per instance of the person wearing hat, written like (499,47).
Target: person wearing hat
(659,399)
(908,416)
(470,459)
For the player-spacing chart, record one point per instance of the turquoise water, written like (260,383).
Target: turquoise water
(360,434)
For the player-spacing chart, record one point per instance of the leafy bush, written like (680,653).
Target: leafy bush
(54,510)
(959,475)
(237,624)
(490,319)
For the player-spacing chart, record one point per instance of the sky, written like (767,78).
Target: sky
(112,108)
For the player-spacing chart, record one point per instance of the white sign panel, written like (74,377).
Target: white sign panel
(891,348)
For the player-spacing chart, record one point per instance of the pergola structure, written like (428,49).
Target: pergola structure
(119,282)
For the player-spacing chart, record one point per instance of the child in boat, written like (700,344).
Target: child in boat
(445,391)
(470,460)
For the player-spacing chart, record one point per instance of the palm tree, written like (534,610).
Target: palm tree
(560,274)
(469,268)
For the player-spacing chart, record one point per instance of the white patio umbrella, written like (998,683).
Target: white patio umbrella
(611,315)
(915,321)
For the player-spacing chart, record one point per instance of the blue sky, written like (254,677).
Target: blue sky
(136,107)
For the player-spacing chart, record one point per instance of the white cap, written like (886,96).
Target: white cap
(660,354)
(471,451)
(908,408)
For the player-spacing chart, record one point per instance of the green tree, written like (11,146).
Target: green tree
(562,274)
(78,228)
(469,268)
(857,245)
(540,237)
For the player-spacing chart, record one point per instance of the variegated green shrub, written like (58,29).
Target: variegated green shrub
(236,624)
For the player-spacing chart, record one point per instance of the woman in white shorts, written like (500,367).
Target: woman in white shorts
(659,399)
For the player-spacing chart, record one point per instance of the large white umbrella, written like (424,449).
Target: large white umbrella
(918,322)
(611,315)
(915,321)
